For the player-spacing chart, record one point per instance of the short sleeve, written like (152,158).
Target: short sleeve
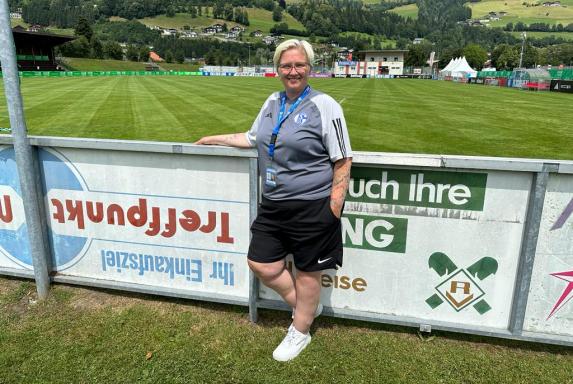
(334,129)
(251,134)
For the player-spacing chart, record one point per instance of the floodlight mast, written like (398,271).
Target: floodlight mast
(26,160)
(523,36)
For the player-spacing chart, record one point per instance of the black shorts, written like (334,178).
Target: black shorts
(307,229)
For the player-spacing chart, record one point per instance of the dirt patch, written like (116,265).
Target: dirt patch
(9,285)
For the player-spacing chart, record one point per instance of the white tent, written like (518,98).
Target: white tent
(458,67)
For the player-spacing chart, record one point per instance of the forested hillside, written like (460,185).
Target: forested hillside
(443,25)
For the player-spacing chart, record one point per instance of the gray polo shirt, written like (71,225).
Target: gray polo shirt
(310,140)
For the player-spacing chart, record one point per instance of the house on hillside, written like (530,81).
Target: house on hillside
(371,63)
(237,29)
(552,4)
(268,40)
(231,35)
(35,28)
(502,13)
(218,27)
(155,57)
(257,33)
(209,30)
(188,35)
(168,32)
(418,40)
(15,15)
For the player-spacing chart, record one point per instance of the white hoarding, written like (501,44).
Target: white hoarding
(14,249)
(428,244)
(156,219)
(549,309)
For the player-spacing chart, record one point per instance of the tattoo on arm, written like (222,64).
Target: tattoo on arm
(340,183)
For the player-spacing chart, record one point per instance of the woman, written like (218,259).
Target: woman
(304,159)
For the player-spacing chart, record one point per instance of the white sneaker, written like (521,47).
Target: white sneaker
(293,344)
(316,313)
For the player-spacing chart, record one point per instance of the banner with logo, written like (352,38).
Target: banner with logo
(14,248)
(549,306)
(433,245)
(157,219)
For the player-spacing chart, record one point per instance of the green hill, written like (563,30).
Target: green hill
(409,10)
(258,19)
(517,10)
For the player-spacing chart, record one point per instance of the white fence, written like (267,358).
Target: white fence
(467,244)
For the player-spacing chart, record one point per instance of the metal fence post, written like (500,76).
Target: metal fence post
(25,160)
(529,247)
(253,204)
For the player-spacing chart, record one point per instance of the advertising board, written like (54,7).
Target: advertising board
(549,309)
(430,244)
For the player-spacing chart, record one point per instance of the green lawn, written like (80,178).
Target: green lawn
(81,64)
(385,43)
(409,10)
(94,336)
(540,35)
(516,11)
(383,115)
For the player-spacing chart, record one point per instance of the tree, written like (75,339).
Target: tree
(505,57)
(279,29)
(112,50)
(179,56)
(169,56)
(475,55)
(170,12)
(143,53)
(277,14)
(132,53)
(418,54)
(282,4)
(83,28)
(79,47)
(96,49)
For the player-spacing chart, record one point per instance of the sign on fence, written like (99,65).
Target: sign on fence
(14,249)
(426,244)
(158,219)
(549,309)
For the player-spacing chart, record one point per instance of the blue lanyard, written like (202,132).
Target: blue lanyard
(283,117)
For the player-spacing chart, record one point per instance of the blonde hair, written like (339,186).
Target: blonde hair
(294,43)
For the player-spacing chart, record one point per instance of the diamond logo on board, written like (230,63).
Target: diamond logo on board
(458,288)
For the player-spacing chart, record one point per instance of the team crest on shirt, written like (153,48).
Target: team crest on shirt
(301,118)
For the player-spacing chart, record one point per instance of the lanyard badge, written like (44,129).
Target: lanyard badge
(271,173)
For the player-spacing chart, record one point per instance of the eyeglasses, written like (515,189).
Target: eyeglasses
(298,67)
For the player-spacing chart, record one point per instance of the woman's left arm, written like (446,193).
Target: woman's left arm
(340,182)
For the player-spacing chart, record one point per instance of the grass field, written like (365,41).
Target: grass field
(409,10)
(540,35)
(516,11)
(92,336)
(81,64)
(383,115)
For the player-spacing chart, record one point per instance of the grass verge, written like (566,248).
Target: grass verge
(94,336)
